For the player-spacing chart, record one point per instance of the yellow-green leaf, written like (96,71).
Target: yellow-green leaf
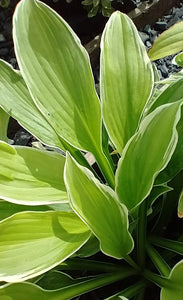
(146,154)
(169,42)
(100,209)
(126,78)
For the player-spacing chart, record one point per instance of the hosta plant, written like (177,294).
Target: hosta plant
(67,227)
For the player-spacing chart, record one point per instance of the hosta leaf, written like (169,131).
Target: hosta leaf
(17,291)
(126,78)
(174,289)
(98,206)
(90,248)
(179,59)
(4,119)
(16,100)
(30,176)
(57,72)
(169,42)
(146,154)
(172,93)
(7,209)
(34,242)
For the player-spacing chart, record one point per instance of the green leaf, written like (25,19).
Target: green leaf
(169,42)
(126,78)
(56,69)
(179,59)
(90,248)
(146,154)
(15,99)
(173,93)
(34,242)
(18,291)
(174,288)
(55,280)
(158,191)
(7,209)
(4,120)
(98,206)
(26,177)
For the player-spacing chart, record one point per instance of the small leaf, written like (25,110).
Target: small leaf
(15,99)
(146,154)
(98,206)
(90,248)
(179,59)
(57,72)
(174,288)
(34,242)
(27,178)
(169,42)
(126,78)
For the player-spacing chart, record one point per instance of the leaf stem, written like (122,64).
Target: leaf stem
(86,286)
(141,234)
(159,280)
(105,167)
(131,291)
(90,265)
(174,246)
(158,261)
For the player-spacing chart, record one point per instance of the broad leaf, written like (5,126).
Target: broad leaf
(15,99)
(27,178)
(90,248)
(169,42)
(7,209)
(18,291)
(57,72)
(126,78)
(174,288)
(98,206)
(4,119)
(34,242)
(146,154)
(172,93)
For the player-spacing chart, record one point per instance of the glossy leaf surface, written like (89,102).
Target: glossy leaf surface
(126,78)
(56,69)
(146,154)
(169,42)
(16,100)
(34,242)
(98,206)
(26,177)
(174,289)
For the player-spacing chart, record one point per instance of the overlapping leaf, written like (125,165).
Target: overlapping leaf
(34,242)
(57,72)
(146,154)
(174,289)
(126,78)
(17,102)
(30,176)
(169,42)
(17,291)
(98,206)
